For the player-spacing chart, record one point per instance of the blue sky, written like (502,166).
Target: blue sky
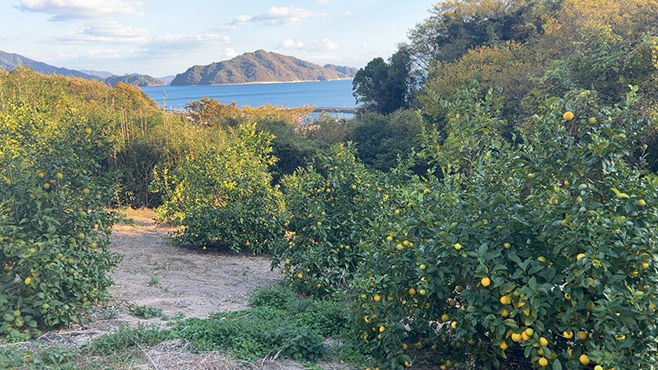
(165,37)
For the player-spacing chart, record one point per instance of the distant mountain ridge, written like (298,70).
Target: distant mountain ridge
(9,61)
(261,66)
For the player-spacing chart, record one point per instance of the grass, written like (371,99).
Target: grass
(279,325)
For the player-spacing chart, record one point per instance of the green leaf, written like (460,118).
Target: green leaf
(557,365)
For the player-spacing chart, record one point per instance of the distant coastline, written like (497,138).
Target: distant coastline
(262,82)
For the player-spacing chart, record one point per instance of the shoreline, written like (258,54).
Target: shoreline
(258,83)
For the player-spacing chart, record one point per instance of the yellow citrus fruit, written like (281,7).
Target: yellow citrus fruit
(377,297)
(382,328)
(505,299)
(567,334)
(299,276)
(399,247)
(642,202)
(598,367)
(485,281)
(453,324)
(28,280)
(504,312)
(389,238)
(404,346)
(46,186)
(85,191)
(592,120)
(580,255)
(530,331)
(422,292)
(568,116)
(541,259)
(524,336)
(540,352)
(88,131)
(543,362)
(583,359)
(458,246)
(412,291)
(620,337)
(543,341)
(41,174)
(506,245)
(445,317)
(503,346)
(59,176)
(366,319)
(582,335)
(516,337)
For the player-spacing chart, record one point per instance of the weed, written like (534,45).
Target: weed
(275,297)
(125,338)
(153,282)
(144,311)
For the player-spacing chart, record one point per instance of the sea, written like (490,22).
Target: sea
(319,94)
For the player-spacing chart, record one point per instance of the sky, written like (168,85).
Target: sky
(166,37)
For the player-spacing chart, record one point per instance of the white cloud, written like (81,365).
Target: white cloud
(291,44)
(230,53)
(240,20)
(281,16)
(315,45)
(106,32)
(62,10)
(177,45)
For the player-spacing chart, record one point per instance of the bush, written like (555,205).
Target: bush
(222,195)
(54,227)
(328,211)
(543,249)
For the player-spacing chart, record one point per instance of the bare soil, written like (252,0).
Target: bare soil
(175,279)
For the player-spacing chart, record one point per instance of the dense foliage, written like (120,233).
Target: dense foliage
(54,226)
(222,196)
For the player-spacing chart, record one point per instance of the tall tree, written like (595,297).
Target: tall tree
(385,87)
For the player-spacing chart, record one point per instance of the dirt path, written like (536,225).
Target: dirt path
(195,283)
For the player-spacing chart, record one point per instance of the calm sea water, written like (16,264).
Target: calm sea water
(334,94)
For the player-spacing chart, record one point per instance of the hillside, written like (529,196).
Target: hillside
(135,80)
(261,66)
(9,61)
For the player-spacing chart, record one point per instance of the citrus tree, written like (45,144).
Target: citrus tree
(329,208)
(541,249)
(54,227)
(221,196)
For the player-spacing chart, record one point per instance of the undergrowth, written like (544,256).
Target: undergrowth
(279,325)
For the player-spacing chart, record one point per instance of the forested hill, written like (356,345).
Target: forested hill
(261,66)
(9,61)
(135,80)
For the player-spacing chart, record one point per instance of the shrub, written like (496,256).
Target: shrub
(542,249)
(222,195)
(328,210)
(54,227)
